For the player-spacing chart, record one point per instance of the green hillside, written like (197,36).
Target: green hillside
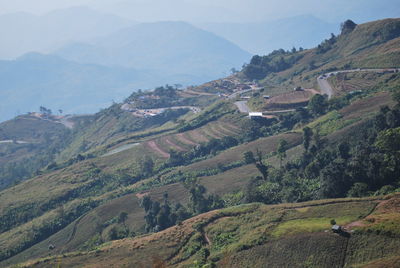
(27,144)
(185,179)
(257,235)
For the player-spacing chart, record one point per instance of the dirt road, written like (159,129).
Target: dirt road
(242,106)
(17,142)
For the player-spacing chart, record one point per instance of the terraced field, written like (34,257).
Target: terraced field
(182,142)
(291,98)
(265,145)
(347,82)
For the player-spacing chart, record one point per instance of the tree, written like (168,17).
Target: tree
(122,217)
(44,110)
(178,86)
(261,166)
(197,201)
(163,217)
(389,141)
(146,166)
(347,26)
(251,193)
(318,104)
(175,158)
(359,189)
(146,203)
(249,157)
(307,135)
(344,150)
(396,95)
(334,181)
(281,150)
(199,204)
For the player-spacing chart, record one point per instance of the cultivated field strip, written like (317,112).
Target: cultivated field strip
(183,142)
(182,137)
(177,140)
(196,136)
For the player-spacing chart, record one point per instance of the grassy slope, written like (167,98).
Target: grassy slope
(39,137)
(255,235)
(367,46)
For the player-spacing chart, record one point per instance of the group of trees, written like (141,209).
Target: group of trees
(327,44)
(279,60)
(165,91)
(347,26)
(45,111)
(160,216)
(364,162)
(160,97)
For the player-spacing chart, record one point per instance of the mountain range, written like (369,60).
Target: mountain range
(263,37)
(170,47)
(25,32)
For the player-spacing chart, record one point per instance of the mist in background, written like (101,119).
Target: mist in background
(218,10)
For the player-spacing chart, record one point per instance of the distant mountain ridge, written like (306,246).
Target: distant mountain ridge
(53,30)
(171,47)
(35,80)
(301,31)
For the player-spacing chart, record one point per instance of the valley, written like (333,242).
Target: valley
(251,170)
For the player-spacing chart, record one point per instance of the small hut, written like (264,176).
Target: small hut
(337,228)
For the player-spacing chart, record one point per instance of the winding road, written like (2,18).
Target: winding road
(325,87)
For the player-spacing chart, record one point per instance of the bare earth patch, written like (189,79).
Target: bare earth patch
(152,144)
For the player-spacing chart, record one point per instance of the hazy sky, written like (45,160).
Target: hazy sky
(219,10)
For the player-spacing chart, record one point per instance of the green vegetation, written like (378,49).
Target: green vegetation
(34,145)
(246,236)
(276,61)
(142,191)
